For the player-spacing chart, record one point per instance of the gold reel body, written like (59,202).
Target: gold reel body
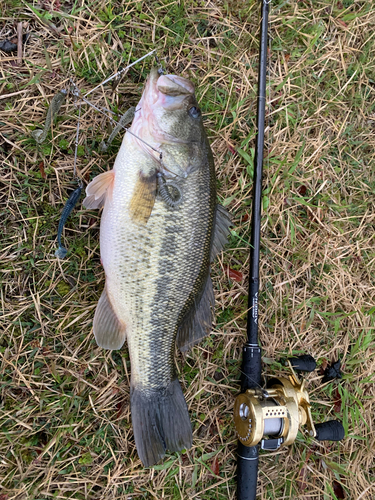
(277,411)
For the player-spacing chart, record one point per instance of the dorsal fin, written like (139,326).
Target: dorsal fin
(97,190)
(221,230)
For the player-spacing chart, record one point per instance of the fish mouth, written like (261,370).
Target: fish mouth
(172,85)
(162,94)
(167,90)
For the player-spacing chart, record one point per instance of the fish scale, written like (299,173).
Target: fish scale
(179,268)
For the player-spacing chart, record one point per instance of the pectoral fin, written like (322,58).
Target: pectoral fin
(109,331)
(98,189)
(143,198)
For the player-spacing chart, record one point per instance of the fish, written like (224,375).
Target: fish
(69,205)
(160,229)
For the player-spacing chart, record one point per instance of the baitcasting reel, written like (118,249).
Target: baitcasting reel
(272,417)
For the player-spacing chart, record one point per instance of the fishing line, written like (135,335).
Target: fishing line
(269,149)
(168,190)
(76,94)
(99,110)
(263,392)
(161,70)
(119,72)
(268,104)
(118,124)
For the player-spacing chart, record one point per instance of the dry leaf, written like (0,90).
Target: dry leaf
(233,274)
(343,23)
(215,466)
(338,401)
(338,490)
(42,171)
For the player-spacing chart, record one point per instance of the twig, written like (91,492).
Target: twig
(19,43)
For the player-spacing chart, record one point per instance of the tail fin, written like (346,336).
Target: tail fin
(160,422)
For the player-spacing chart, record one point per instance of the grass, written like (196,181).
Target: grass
(65,428)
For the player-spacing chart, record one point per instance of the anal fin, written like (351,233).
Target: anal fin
(98,189)
(198,322)
(109,331)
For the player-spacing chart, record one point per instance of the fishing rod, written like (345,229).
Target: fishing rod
(268,417)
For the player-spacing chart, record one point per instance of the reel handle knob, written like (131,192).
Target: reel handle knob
(332,430)
(304,363)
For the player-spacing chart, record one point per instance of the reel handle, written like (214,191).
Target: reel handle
(247,472)
(333,430)
(304,363)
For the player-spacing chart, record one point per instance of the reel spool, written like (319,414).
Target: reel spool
(273,416)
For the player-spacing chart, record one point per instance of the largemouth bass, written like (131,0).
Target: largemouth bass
(160,228)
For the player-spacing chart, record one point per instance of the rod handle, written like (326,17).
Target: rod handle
(251,372)
(247,472)
(333,430)
(303,363)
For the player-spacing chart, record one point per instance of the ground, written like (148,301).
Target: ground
(65,428)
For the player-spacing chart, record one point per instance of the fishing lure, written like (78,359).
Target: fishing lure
(69,205)
(40,135)
(125,119)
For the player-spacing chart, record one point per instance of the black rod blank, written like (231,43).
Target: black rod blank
(248,457)
(252,319)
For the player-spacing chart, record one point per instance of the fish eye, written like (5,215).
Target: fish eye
(194,112)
